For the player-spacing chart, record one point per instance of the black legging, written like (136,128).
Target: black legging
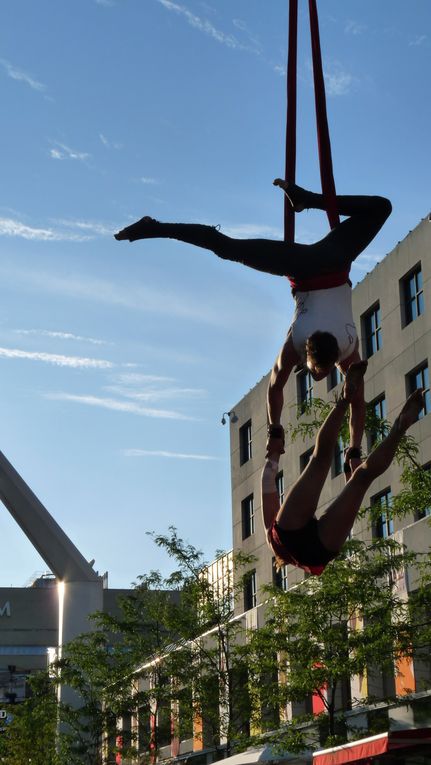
(332,254)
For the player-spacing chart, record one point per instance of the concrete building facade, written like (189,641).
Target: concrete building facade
(392,310)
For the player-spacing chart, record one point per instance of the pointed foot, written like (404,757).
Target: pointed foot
(144,228)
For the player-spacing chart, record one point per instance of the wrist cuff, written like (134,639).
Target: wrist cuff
(353,452)
(275,431)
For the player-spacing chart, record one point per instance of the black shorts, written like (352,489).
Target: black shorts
(305,545)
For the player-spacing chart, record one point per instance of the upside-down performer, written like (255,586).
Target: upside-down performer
(293,532)
(323,331)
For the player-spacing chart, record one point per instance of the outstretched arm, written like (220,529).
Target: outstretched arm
(270,499)
(281,370)
(357,409)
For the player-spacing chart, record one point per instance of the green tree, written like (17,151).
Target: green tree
(30,736)
(174,656)
(193,648)
(313,629)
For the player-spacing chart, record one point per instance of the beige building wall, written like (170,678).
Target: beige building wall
(404,348)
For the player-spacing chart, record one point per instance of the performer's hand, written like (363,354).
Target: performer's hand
(352,460)
(274,446)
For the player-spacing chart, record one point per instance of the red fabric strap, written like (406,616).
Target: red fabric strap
(325,156)
(290,167)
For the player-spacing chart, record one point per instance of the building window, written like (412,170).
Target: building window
(305,388)
(420,379)
(384,524)
(426,511)
(304,459)
(379,412)
(164,724)
(279,482)
(250,591)
(247,509)
(245,443)
(372,331)
(280,577)
(338,461)
(334,378)
(412,291)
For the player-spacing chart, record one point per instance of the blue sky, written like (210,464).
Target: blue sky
(116,360)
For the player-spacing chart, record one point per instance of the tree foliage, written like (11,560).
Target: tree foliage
(31,734)
(173,657)
(328,629)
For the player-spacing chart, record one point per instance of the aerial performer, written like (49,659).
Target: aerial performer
(293,532)
(323,331)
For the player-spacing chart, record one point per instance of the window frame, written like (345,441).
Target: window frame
(427,512)
(305,388)
(372,335)
(245,443)
(423,371)
(305,458)
(409,298)
(378,401)
(334,378)
(338,458)
(248,515)
(250,590)
(281,577)
(385,524)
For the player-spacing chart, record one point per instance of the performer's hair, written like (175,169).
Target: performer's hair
(322,349)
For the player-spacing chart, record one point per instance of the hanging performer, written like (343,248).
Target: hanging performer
(323,331)
(293,532)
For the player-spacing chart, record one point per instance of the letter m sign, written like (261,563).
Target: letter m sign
(5,610)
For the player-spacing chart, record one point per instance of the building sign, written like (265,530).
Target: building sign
(5,609)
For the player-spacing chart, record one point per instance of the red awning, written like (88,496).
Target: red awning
(373,746)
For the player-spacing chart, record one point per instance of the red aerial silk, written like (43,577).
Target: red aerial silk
(324,143)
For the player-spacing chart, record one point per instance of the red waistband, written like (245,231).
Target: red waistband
(321,282)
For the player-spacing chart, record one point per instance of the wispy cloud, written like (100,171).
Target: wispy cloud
(244,28)
(149,181)
(61,335)
(168,455)
(144,389)
(353,27)
(418,40)
(81,230)
(110,144)
(117,405)
(157,394)
(136,378)
(21,76)
(338,82)
(105,3)
(92,227)
(11,227)
(366,262)
(61,151)
(56,359)
(203,25)
(143,298)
